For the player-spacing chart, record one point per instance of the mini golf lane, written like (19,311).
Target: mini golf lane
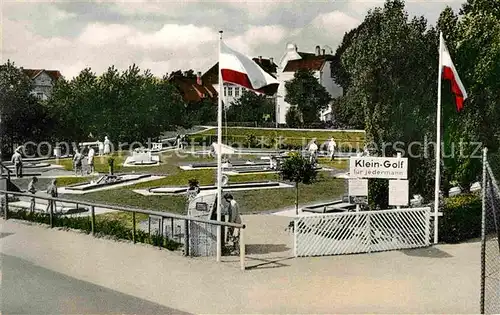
(230,187)
(123,179)
(129,179)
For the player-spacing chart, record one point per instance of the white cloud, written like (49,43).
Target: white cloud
(335,21)
(98,34)
(257,36)
(174,37)
(125,36)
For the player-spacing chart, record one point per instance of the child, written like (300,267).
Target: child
(32,189)
(52,191)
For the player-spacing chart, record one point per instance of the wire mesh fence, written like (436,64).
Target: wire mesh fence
(490,244)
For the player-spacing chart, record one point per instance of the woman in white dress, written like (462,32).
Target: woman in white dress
(107,146)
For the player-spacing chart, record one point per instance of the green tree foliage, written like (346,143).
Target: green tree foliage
(23,118)
(201,112)
(251,107)
(390,88)
(293,118)
(299,170)
(128,106)
(306,93)
(473,39)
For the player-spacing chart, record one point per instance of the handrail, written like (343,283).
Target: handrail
(126,209)
(5,167)
(2,166)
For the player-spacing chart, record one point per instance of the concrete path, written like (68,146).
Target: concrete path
(441,279)
(30,289)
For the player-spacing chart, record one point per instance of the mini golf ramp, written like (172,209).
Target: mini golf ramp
(249,185)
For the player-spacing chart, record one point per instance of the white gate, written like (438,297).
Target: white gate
(361,232)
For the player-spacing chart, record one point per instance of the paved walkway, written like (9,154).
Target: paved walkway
(441,279)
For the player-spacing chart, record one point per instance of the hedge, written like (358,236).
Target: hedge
(461,219)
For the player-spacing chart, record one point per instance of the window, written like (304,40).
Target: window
(225,91)
(229,91)
(237,91)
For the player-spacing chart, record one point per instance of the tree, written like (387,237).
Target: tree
(23,118)
(299,170)
(293,118)
(306,93)
(392,89)
(473,39)
(127,106)
(251,107)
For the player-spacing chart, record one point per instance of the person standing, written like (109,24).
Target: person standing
(234,217)
(52,191)
(107,146)
(178,141)
(332,147)
(313,151)
(32,190)
(77,162)
(101,148)
(18,162)
(91,155)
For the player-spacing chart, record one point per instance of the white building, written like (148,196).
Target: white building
(319,62)
(43,81)
(233,92)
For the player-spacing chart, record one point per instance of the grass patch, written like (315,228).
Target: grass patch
(340,164)
(327,188)
(289,137)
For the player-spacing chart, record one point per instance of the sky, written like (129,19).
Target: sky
(168,35)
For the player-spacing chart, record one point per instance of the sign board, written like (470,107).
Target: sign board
(378,167)
(398,192)
(358,187)
(201,206)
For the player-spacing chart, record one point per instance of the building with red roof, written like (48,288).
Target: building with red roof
(320,63)
(43,81)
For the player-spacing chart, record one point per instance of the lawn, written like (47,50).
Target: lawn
(295,137)
(327,187)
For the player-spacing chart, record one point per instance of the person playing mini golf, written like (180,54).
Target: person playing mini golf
(32,190)
(17,160)
(234,217)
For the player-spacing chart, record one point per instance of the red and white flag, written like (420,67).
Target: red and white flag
(238,69)
(450,73)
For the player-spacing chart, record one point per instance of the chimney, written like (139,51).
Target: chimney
(323,52)
(271,60)
(260,59)
(198,78)
(317,50)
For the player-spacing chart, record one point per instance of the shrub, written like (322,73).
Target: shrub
(114,228)
(461,219)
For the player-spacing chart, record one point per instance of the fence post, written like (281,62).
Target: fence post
(172,227)
(6,209)
(295,232)
(159,234)
(51,215)
(186,238)
(162,222)
(149,227)
(92,220)
(483,229)
(133,226)
(369,230)
(427,226)
(242,249)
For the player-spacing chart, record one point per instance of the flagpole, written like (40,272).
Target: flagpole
(438,142)
(219,157)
